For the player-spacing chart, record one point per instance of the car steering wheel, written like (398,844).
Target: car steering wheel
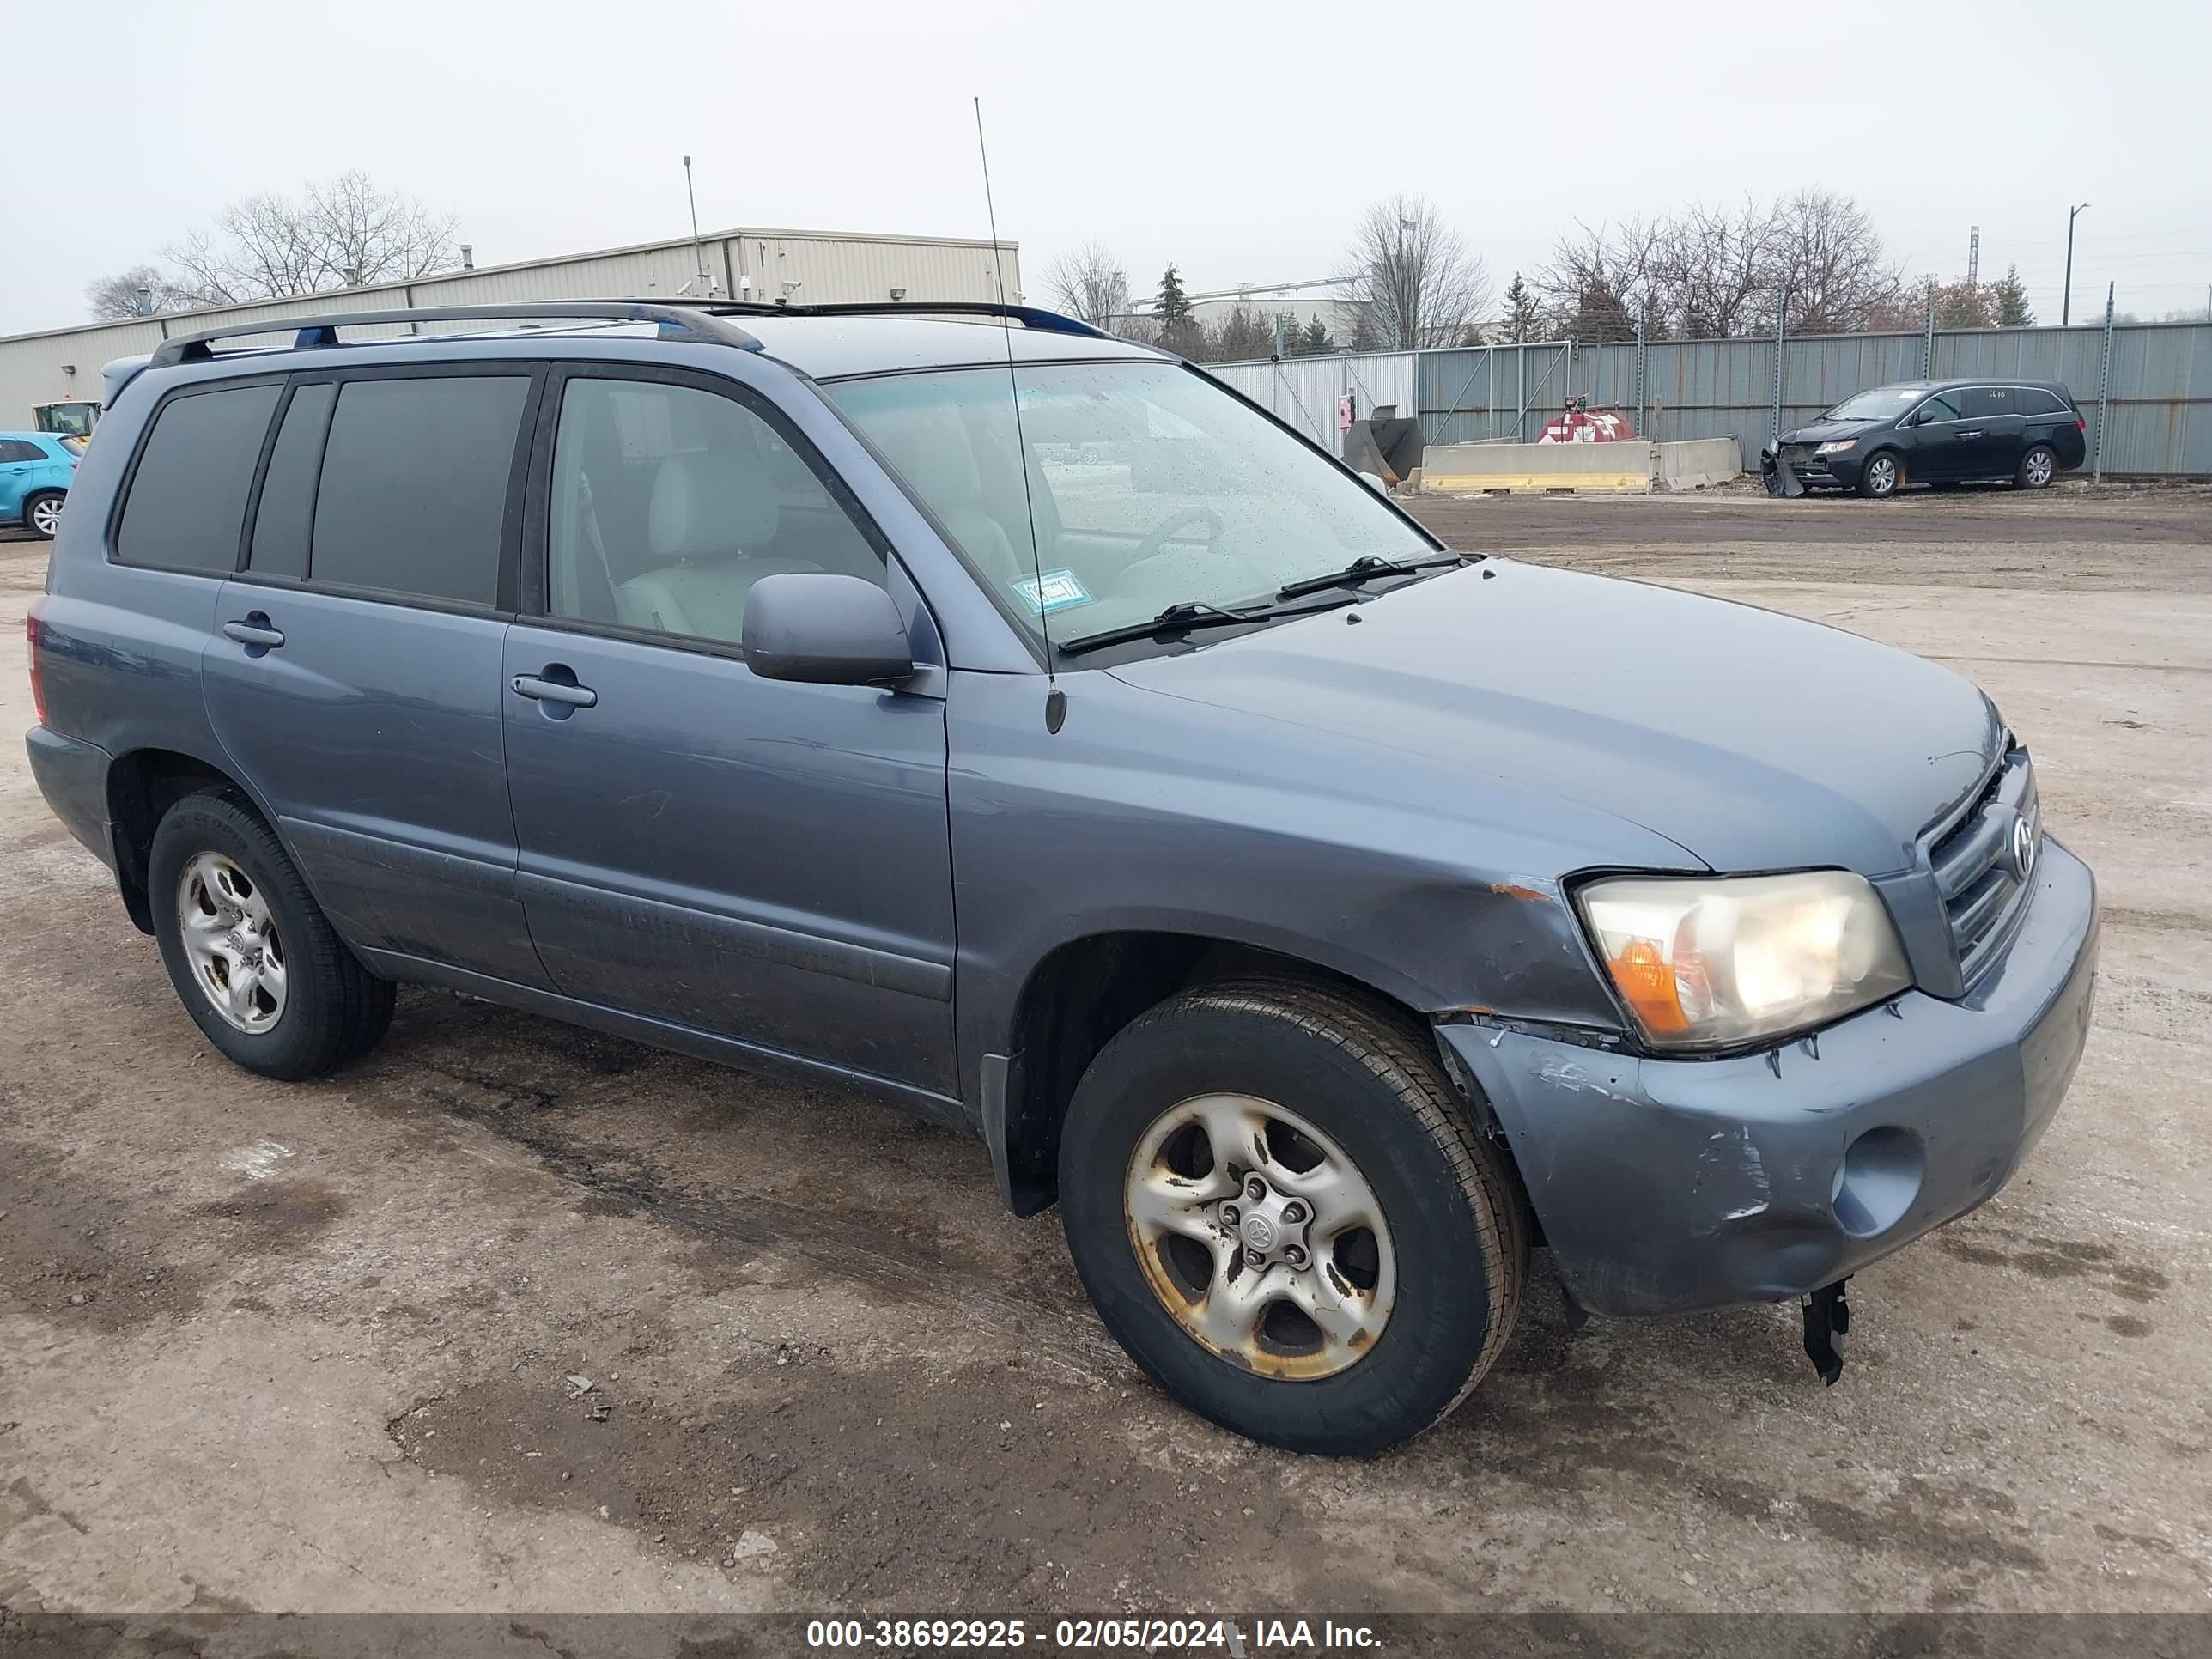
(1156,536)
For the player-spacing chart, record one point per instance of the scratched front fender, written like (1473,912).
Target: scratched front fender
(1667,1186)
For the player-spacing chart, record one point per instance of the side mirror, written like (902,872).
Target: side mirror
(825,630)
(1375,482)
(1918,418)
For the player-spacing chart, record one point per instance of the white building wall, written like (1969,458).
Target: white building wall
(823,267)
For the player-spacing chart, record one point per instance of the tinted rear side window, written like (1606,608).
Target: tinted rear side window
(187,502)
(281,522)
(414,485)
(1984,402)
(14,449)
(2032,402)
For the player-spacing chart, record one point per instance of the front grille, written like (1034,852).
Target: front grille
(1973,855)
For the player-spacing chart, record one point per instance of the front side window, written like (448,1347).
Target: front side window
(413,493)
(1149,486)
(187,500)
(670,502)
(1943,406)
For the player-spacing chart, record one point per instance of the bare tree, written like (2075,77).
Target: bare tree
(341,232)
(1090,284)
(1600,281)
(1413,276)
(117,298)
(1712,268)
(1830,264)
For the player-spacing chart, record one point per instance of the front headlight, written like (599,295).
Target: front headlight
(1709,961)
(1836,445)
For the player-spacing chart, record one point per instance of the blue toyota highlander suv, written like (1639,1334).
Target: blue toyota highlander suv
(966,708)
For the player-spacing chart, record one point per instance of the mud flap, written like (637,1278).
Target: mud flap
(1827,1316)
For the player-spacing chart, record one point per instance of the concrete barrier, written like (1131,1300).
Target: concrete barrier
(1636,467)
(1695,463)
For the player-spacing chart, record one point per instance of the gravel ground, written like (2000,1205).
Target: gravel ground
(511,1317)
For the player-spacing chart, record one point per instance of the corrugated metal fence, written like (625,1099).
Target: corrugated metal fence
(2158,397)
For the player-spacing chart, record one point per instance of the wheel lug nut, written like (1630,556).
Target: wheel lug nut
(1255,1189)
(1294,1212)
(1229,1213)
(1254,1259)
(1295,1256)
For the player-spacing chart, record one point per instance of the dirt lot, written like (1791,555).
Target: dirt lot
(313,1347)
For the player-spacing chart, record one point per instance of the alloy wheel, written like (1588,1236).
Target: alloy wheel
(230,938)
(1260,1237)
(46,516)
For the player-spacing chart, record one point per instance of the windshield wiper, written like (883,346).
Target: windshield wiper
(1194,613)
(1366,567)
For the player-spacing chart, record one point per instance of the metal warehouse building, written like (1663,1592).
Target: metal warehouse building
(800,266)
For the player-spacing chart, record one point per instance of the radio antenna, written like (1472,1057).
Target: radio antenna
(1055,703)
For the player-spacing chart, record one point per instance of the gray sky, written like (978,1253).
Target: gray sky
(1241,145)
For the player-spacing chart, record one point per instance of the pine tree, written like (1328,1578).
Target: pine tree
(2008,297)
(1315,340)
(1171,308)
(1521,312)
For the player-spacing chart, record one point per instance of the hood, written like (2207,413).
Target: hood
(1754,740)
(1821,432)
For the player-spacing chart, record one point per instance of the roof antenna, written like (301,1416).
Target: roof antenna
(1056,700)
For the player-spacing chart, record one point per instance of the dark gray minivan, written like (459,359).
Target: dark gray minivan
(961,706)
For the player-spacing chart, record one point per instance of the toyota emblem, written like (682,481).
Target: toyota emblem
(2023,846)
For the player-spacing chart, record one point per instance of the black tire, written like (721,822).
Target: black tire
(333,1010)
(1369,1079)
(2038,468)
(32,513)
(1878,482)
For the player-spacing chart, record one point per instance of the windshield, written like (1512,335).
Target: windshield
(1883,402)
(1151,487)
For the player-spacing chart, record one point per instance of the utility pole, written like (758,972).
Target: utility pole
(2066,304)
(1974,256)
(698,249)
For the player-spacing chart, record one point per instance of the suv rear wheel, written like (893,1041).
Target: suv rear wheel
(2038,467)
(42,513)
(252,956)
(1277,1204)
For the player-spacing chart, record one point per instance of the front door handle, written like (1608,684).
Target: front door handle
(1973,435)
(254,630)
(544,691)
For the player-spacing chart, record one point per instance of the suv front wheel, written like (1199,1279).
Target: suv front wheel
(1278,1207)
(252,955)
(1881,475)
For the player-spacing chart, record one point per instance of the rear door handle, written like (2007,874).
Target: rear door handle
(254,630)
(545,690)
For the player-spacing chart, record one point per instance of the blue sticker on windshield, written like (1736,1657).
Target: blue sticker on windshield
(1056,590)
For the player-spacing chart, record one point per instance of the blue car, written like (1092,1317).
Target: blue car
(36,469)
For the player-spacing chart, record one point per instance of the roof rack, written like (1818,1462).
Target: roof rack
(696,320)
(1036,317)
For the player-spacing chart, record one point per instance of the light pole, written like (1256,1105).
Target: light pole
(2066,304)
(698,252)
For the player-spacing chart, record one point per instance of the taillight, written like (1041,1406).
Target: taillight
(38,683)
(2080,422)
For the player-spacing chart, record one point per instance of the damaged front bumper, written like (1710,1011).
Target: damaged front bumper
(1669,1186)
